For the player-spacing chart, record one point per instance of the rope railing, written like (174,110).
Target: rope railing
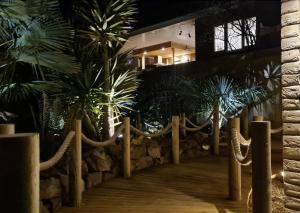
(162,132)
(59,154)
(276,131)
(207,121)
(194,130)
(109,142)
(236,141)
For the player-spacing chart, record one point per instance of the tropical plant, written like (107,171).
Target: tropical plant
(34,39)
(109,23)
(225,92)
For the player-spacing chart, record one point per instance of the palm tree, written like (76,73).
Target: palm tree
(109,23)
(33,37)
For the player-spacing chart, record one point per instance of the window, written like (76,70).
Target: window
(219,38)
(235,35)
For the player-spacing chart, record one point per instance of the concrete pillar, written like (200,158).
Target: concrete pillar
(143,62)
(290,44)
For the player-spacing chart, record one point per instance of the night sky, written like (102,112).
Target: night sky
(155,11)
(152,11)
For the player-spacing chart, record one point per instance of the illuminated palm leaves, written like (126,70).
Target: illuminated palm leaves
(32,33)
(109,22)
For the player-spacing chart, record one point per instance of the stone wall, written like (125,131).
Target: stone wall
(290,44)
(100,165)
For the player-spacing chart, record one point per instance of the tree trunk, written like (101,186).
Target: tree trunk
(107,88)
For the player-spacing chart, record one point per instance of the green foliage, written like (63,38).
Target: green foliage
(109,22)
(34,39)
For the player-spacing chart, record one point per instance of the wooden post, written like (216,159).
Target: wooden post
(234,168)
(216,130)
(139,123)
(7,129)
(20,173)
(175,139)
(258,118)
(76,186)
(261,167)
(183,122)
(126,148)
(245,123)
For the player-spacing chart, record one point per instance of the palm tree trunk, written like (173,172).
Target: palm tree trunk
(107,88)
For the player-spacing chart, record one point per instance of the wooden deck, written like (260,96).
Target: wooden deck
(191,187)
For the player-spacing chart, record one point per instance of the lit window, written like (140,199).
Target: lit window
(234,41)
(235,35)
(250,31)
(219,38)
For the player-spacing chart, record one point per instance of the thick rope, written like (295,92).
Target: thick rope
(164,131)
(194,130)
(109,142)
(243,160)
(59,154)
(275,131)
(208,120)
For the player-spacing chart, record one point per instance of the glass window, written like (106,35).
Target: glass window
(234,41)
(236,35)
(250,31)
(219,38)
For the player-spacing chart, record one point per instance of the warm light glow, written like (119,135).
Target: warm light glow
(145,52)
(184,59)
(163,49)
(282,173)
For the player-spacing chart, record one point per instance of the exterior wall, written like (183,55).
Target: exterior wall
(268,27)
(290,44)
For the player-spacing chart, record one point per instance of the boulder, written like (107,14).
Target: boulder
(144,162)
(154,151)
(138,151)
(103,163)
(56,203)
(112,174)
(64,180)
(50,188)
(84,168)
(43,209)
(93,179)
(92,167)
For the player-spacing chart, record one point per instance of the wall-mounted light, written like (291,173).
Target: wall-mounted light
(163,49)
(145,53)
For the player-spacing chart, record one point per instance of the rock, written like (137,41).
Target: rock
(115,151)
(50,188)
(84,168)
(93,179)
(144,162)
(138,141)
(138,151)
(110,175)
(56,203)
(103,162)
(64,180)
(165,142)
(154,151)
(193,153)
(91,165)
(43,208)
(132,165)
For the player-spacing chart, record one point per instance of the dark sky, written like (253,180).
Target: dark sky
(155,11)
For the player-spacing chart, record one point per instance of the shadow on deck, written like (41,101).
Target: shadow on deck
(192,187)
